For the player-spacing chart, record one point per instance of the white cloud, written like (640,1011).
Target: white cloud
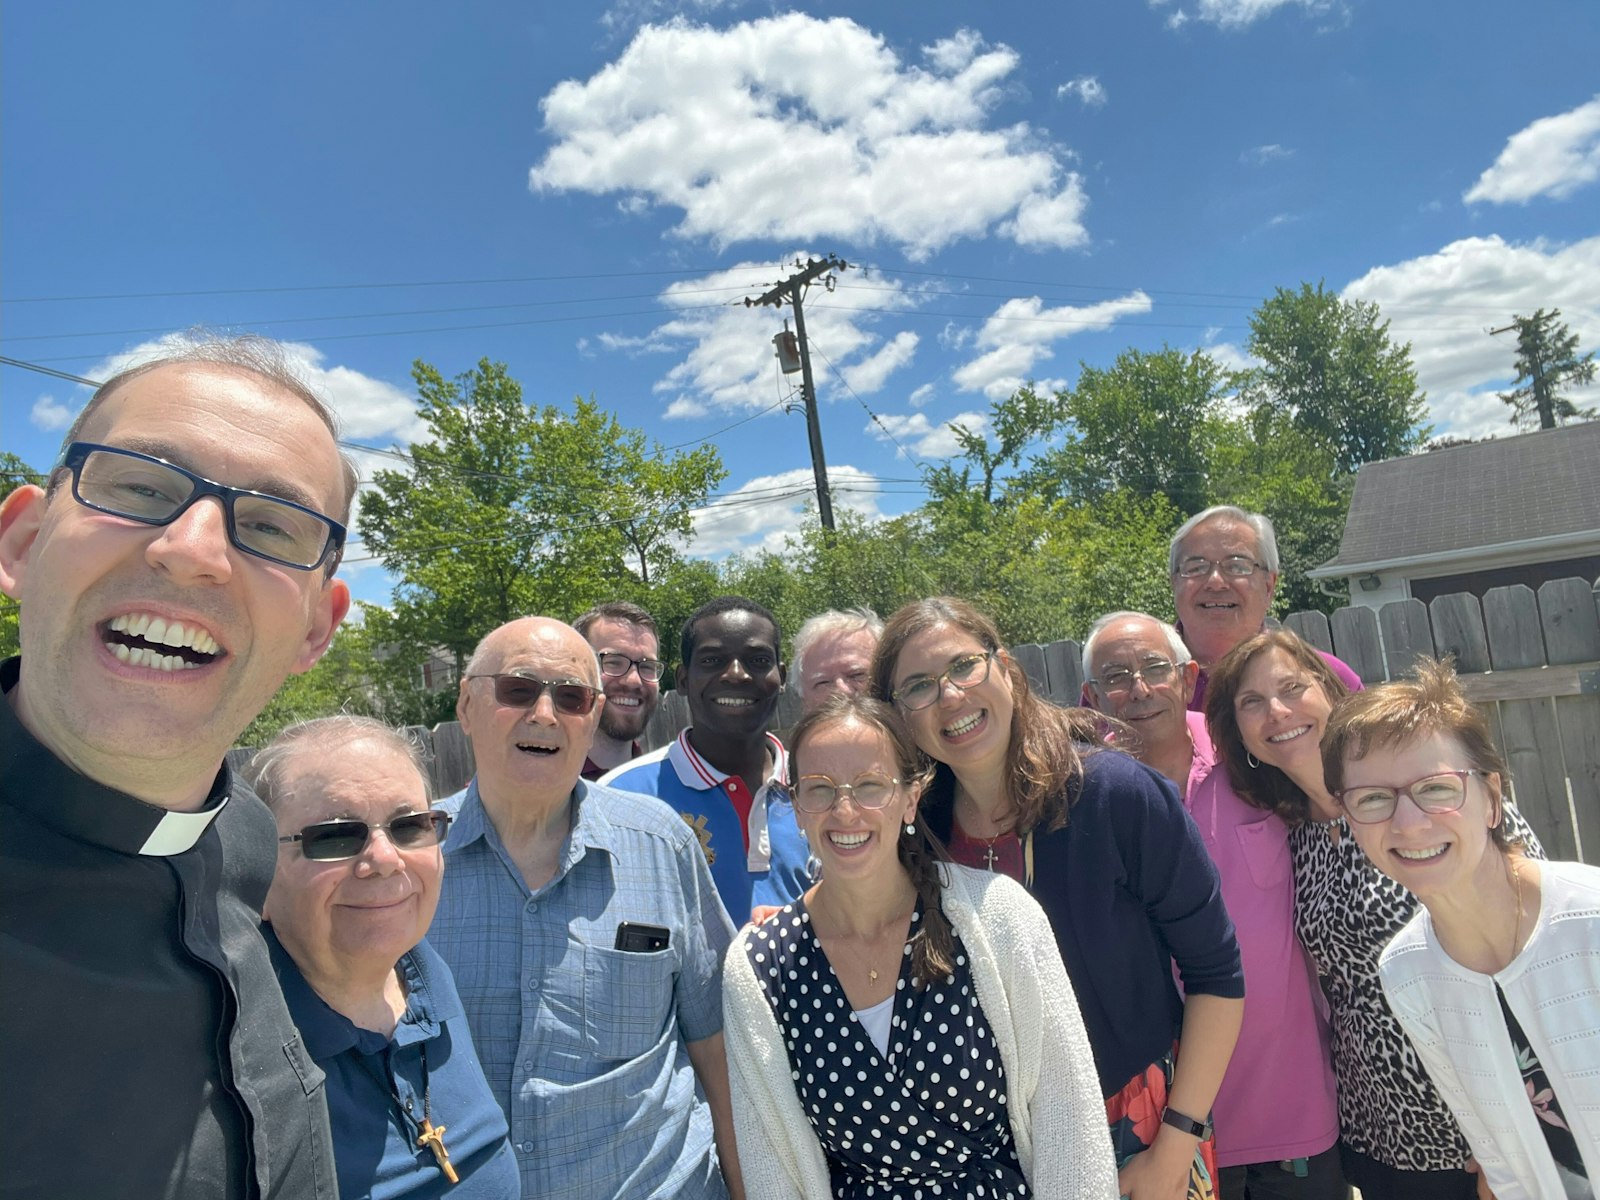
(760,514)
(49,414)
(1231,357)
(922,437)
(726,358)
(1021,333)
(1444,304)
(798,128)
(1086,88)
(922,395)
(1260,156)
(1554,156)
(1237,14)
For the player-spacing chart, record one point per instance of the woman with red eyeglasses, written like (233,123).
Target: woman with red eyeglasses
(1497,980)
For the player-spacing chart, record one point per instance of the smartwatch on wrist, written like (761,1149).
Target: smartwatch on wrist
(1181,1121)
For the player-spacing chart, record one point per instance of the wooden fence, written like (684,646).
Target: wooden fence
(1531,660)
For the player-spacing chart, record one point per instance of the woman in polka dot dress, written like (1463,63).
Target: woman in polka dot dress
(905,1030)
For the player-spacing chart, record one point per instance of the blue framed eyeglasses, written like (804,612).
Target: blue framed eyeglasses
(125,483)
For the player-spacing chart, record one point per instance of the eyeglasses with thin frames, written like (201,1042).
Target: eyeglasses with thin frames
(152,491)
(1440,792)
(921,691)
(1235,566)
(1118,680)
(334,841)
(819,793)
(523,691)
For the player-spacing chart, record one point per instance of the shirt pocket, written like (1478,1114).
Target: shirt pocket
(1265,851)
(627,1000)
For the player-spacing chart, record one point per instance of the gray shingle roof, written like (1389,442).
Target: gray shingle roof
(1535,485)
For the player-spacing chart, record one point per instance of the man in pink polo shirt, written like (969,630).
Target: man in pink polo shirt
(1276,1116)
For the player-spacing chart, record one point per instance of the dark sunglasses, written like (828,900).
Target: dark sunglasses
(521,691)
(330,841)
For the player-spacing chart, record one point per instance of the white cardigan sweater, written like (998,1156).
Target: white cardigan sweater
(1453,1017)
(1058,1119)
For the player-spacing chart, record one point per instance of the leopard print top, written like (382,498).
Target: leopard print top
(1346,912)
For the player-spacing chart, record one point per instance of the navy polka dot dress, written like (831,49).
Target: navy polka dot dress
(930,1123)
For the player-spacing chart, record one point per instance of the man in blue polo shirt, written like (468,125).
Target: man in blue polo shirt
(725,775)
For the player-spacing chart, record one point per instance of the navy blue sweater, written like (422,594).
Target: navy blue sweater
(1129,889)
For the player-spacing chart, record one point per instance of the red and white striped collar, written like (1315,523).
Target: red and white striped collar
(695,772)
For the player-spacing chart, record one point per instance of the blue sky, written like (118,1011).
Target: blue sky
(586,193)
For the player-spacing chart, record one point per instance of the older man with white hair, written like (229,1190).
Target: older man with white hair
(1276,1117)
(1223,564)
(832,652)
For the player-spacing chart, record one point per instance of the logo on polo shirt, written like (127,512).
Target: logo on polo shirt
(697,822)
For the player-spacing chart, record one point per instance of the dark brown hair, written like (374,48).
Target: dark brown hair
(624,611)
(1410,710)
(1042,759)
(933,948)
(1263,785)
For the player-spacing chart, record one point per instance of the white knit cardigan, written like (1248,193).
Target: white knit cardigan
(1453,1018)
(1058,1119)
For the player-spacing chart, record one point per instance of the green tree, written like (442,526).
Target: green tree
(511,509)
(1547,363)
(1330,367)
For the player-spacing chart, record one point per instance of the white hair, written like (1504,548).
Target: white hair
(1266,536)
(1180,652)
(268,772)
(832,623)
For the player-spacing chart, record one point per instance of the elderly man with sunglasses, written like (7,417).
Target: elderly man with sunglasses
(175,568)
(357,883)
(1276,1115)
(586,938)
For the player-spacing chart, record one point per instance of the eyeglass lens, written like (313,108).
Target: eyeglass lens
(329,841)
(1435,794)
(966,672)
(818,793)
(1154,674)
(140,488)
(617,665)
(1236,565)
(519,691)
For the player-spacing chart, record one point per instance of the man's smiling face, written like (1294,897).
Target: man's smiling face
(146,642)
(1218,611)
(732,679)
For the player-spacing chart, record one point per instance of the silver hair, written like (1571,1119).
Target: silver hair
(249,352)
(1180,652)
(482,651)
(1266,536)
(834,622)
(268,773)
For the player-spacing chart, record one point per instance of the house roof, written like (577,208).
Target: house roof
(1536,487)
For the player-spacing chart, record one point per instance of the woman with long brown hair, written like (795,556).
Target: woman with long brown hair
(883,1037)
(1104,845)
(1267,709)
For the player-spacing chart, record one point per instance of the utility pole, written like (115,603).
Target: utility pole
(792,290)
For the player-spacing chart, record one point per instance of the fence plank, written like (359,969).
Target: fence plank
(1355,640)
(1579,720)
(453,764)
(1406,636)
(1031,658)
(1458,631)
(1064,664)
(1533,752)
(1311,627)
(1571,625)
(1534,683)
(671,716)
(1511,619)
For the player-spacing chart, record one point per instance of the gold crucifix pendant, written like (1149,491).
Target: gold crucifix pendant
(432,1138)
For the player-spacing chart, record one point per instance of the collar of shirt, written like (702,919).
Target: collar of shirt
(1205,755)
(40,784)
(695,772)
(328,1032)
(591,830)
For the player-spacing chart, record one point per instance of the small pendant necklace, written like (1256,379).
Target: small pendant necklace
(429,1136)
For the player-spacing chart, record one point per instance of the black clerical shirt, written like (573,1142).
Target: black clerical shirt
(147,1050)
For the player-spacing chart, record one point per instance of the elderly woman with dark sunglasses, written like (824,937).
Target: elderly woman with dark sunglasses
(359,865)
(1497,979)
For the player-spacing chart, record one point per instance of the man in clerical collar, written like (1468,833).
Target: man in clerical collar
(586,938)
(174,569)
(726,775)
(624,638)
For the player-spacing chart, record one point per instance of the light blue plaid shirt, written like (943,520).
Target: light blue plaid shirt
(583,1044)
